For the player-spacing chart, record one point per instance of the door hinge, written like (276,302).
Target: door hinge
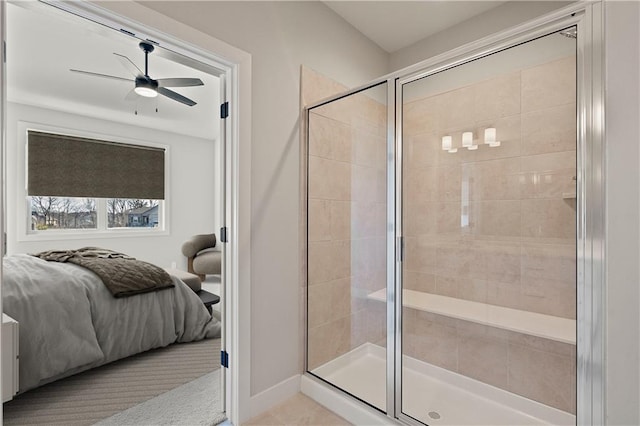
(224,110)
(223,235)
(224,359)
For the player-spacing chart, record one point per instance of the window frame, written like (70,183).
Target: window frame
(25,234)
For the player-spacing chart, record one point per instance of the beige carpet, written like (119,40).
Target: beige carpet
(94,395)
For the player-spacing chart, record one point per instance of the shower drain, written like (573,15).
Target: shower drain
(434,415)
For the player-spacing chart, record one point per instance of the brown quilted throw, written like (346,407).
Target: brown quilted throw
(123,275)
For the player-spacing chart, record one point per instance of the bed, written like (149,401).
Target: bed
(70,322)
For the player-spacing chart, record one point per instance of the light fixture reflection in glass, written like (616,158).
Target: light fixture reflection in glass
(467,141)
(447,144)
(490,137)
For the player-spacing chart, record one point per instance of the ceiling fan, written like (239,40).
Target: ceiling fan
(147,86)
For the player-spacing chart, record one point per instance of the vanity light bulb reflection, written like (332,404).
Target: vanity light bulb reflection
(490,137)
(447,144)
(467,141)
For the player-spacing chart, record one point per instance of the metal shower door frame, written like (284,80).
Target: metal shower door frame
(590,204)
(590,224)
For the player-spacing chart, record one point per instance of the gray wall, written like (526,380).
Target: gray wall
(497,19)
(280,36)
(622,50)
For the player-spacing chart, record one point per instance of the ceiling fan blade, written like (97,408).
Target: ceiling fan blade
(129,65)
(95,74)
(175,96)
(179,82)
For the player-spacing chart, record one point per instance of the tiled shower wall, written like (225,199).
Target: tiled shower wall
(495,225)
(346,220)
(507,239)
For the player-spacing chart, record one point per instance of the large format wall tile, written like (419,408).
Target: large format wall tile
(495,180)
(319,223)
(329,138)
(420,117)
(346,221)
(495,225)
(328,301)
(543,376)
(328,341)
(549,175)
(490,225)
(549,85)
(427,339)
(419,218)
(455,108)
(499,218)
(498,97)
(536,368)
(549,130)
(549,218)
(422,150)
(483,354)
(329,260)
(329,179)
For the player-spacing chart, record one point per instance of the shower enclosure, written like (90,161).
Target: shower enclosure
(443,260)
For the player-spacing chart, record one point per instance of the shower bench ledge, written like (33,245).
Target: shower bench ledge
(532,323)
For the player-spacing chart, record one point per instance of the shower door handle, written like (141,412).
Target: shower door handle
(400,249)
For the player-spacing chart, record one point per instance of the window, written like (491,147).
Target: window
(127,213)
(79,184)
(62,213)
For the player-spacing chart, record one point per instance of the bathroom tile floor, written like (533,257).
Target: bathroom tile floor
(298,410)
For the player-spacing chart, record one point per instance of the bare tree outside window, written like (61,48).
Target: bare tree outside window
(49,213)
(132,213)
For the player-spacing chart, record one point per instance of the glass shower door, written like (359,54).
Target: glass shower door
(488,221)
(347,244)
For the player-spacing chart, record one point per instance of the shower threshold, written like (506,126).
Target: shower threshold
(433,395)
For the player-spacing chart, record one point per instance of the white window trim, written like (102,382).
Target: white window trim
(23,208)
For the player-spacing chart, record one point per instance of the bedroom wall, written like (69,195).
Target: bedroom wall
(191,204)
(280,36)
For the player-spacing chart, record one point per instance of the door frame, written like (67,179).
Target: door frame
(235,75)
(591,226)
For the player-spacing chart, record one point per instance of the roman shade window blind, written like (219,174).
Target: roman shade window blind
(71,166)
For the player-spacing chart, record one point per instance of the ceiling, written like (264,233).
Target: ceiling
(393,25)
(43,44)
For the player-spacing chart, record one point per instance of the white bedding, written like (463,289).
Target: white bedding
(69,321)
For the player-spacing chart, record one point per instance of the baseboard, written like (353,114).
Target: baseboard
(275,395)
(351,410)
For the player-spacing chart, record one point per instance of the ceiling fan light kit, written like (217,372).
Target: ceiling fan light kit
(146,86)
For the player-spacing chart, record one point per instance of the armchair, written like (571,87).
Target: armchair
(202,258)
